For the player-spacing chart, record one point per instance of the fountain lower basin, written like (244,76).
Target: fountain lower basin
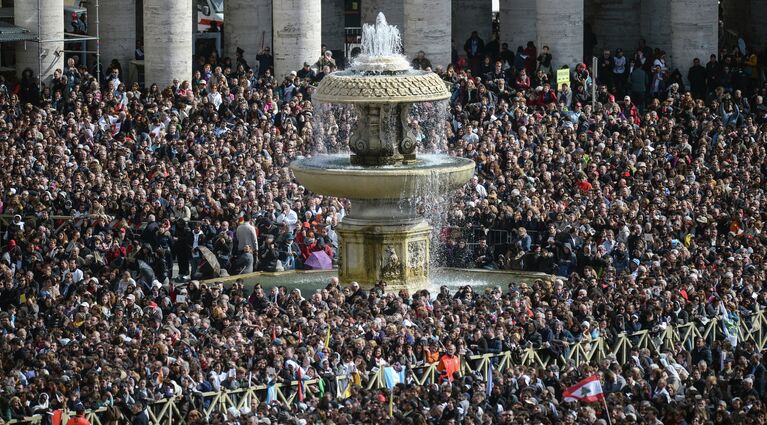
(454,279)
(335,176)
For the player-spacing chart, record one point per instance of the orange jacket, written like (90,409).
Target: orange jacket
(78,420)
(449,364)
(432,356)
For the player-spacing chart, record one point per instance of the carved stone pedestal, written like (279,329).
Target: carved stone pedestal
(396,253)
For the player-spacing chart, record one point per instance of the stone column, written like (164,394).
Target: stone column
(394,10)
(655,24)
(168,41)
(195,22)
(694,32)
(140,19)
(427,28)
(616,24)
(560,26)
(49,21)
(471,15)
(297,34)
(247,25)
(333,25)
(518,22)
(737,12)
(758,30)
(117,31)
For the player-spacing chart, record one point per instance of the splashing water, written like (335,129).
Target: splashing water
(430,119)
(381,39)
(332,125)
(381,49)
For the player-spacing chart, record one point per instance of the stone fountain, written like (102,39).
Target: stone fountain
(383,237)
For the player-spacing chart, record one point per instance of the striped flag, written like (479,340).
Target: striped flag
(300,335)
(729,325)
(392,377)
(588,390)
(271,394)
(327,338)
(489,378)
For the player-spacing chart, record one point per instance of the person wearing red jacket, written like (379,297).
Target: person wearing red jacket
(116,251)
(79,418)
(631,111)
(309,245)
(584,185)
(531,59)
(546,95)
(523,81)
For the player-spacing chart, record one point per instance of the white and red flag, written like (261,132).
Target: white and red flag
(588,390)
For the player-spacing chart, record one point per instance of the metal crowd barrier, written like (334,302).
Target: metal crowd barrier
(495,236)
(752,328)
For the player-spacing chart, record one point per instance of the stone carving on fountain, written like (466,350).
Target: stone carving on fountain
(392,266)
(409,87)
(379,136)
(418,264)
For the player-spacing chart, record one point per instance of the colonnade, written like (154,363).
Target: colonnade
(295,29)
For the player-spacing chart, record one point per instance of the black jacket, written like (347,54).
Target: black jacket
(140,419)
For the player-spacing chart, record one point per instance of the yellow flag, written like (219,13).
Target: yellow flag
(327,338)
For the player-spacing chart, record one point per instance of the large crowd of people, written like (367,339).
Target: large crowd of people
(647,204)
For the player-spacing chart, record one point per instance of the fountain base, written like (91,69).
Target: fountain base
(397,254)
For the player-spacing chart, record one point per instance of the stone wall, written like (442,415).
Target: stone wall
(615,23)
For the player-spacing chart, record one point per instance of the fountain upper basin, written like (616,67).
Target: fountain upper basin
(409,86)
(335,176)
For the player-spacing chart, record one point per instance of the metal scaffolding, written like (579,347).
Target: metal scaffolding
(68,38)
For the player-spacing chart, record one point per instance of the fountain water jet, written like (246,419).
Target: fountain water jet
(381,40)
(383,237)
